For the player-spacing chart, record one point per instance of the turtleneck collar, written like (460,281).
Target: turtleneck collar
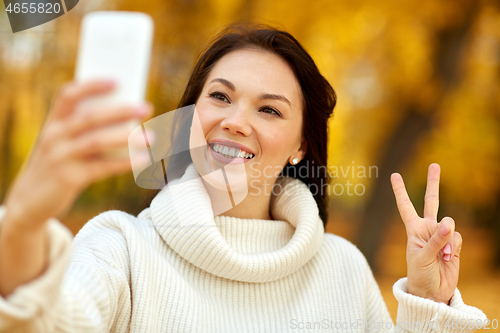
(246,250)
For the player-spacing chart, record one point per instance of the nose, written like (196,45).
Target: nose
(237,122)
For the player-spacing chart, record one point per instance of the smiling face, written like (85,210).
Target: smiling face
(251,107)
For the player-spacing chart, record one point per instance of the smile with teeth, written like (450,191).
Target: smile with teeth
(230,152)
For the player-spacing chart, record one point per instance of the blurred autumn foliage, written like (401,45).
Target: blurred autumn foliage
(417,81)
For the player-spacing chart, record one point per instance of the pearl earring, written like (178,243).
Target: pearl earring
(295,160)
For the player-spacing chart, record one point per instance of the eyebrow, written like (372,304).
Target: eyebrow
(261,96)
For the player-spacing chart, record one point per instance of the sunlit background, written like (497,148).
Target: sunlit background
(417,83)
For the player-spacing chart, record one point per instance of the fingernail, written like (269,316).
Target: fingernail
(447,249)
(444,230)
(446,257)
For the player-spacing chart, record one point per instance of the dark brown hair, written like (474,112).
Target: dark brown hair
(319,98)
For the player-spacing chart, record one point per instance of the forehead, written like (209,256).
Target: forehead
(259,70)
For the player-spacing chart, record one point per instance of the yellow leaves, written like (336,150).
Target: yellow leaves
(224,11)
(466,143)
(378,55)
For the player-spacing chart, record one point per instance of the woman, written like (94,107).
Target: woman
(187,263)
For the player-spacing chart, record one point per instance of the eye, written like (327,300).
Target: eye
(270,110)
(220,96)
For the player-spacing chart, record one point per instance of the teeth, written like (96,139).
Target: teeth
(231,152)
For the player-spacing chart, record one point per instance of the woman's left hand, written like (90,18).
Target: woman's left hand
(432,253)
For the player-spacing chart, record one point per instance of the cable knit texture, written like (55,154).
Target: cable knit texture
(177,268)
(194,235)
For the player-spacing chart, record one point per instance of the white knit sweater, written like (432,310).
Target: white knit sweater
(177,268)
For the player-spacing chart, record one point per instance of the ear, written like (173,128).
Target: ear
(302,150)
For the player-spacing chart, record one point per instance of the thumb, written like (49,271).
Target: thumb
(439,238)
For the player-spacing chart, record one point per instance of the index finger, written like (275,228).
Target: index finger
(405,207)
(105,115)
(72,93)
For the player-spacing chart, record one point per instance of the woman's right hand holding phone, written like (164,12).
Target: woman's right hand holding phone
(70,154)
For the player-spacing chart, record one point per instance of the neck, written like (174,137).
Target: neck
(252,207)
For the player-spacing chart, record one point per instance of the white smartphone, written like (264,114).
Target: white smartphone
(115,45)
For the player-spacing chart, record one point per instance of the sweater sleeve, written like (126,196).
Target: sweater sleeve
(424,315)
(81,290)
(378,318)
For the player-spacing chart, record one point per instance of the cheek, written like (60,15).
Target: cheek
(276,145)
(207,116)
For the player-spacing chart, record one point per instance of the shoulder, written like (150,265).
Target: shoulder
(110,234)
(340,252)
(113,222)
(337,244)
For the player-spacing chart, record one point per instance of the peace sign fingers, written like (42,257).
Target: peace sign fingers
(431,251)
(432,192)
(405,207)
